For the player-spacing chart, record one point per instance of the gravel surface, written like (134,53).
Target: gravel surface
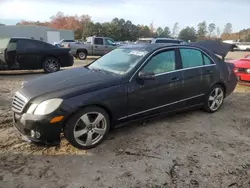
(188,149)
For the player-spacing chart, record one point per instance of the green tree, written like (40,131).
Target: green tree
(228,28)
(175,29)
(211,28)
(188,33)
(218,32)
(202,30)
(159,31)
(166,32)
(144,31)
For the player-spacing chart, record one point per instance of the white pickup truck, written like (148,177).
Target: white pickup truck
(94,46)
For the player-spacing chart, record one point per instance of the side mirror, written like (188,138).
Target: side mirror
(146,75)
(246,55)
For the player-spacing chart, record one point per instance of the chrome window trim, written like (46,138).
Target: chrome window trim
(174,47)
(161,106)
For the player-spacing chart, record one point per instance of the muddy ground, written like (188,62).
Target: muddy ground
(188,149)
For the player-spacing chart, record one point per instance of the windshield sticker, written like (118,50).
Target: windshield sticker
(138,53)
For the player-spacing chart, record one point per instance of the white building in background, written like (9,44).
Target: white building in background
(36,32)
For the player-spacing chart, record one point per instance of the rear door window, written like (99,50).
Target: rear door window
(191,58)
(207,61)
(98,41)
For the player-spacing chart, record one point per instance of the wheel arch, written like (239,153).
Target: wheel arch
(223,85)
(82,50)
(93,105)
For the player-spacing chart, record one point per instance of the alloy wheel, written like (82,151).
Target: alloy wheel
(82,55)
(51,65)
(90,128)
(215,99)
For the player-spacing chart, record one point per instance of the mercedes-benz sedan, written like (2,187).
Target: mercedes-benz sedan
(130,83)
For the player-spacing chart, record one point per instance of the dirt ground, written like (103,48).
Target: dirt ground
(189,149)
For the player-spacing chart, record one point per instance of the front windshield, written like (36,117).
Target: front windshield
(119,61)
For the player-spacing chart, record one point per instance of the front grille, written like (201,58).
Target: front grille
(242,70)
(19,102)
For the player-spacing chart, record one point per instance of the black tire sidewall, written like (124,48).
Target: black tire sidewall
(78,55)
(48,71)
(206,105)
(70,125)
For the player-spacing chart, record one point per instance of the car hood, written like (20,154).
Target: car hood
(242,63)
(67,82)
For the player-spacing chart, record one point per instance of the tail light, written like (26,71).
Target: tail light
(68,45)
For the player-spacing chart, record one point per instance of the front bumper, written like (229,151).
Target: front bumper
(46,132)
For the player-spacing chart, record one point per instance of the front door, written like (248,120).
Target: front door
(109,45)
(146,97)
(98,47)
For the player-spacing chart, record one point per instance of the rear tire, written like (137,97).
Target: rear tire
(82,55)
(51,64)
(214,99)
(87,128)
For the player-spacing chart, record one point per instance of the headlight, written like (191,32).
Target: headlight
(248,71)
(46,107)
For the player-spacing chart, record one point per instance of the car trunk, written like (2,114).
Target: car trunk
(3,48)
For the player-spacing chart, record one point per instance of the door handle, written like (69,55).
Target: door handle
(106,46)
(209,71)
(96,46)
(175,79)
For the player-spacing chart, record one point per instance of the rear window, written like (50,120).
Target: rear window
(4,43)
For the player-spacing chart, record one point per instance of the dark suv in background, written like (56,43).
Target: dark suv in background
(28,54)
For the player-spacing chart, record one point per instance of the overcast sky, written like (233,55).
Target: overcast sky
(161,12)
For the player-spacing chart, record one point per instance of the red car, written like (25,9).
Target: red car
(242,68)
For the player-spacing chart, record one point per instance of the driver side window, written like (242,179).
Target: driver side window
(161,63)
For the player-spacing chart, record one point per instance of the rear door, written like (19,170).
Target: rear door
(192,64)
(29,53)
(98,47)
(210,73)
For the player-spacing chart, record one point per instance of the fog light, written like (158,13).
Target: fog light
(38,135)
(35,134)
(32,134)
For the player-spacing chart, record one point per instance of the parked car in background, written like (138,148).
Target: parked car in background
(28,54)
(242,68)
(160,40)
(129,83)
(94,46)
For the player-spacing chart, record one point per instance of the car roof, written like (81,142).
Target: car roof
(150,46)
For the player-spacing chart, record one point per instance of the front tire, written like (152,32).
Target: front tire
(214,99)
(87,128)
(51,64)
